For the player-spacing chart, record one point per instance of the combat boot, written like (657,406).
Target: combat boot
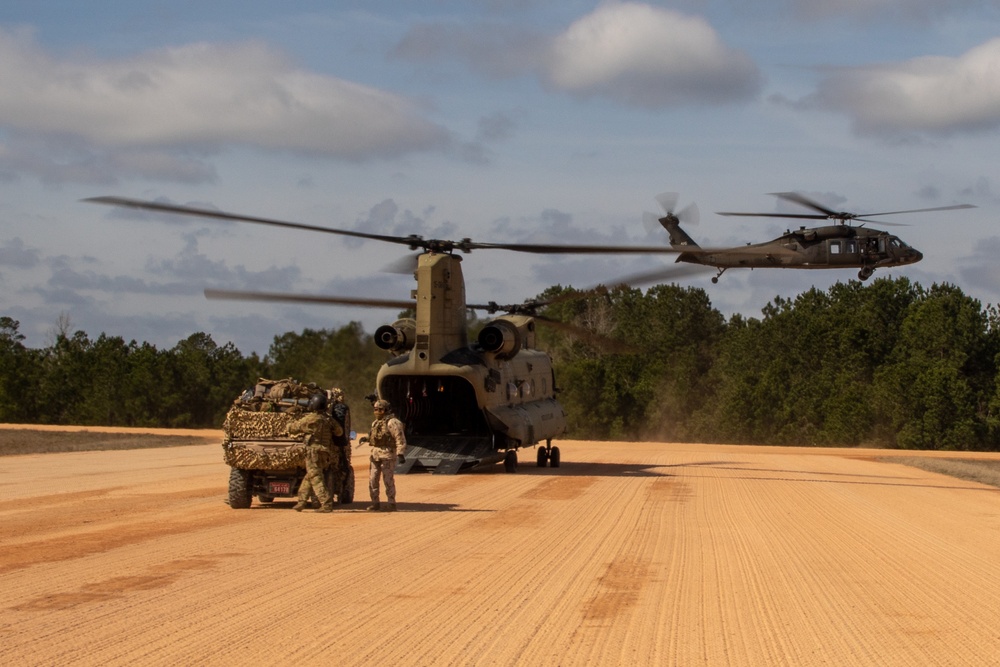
(391,507)
(325,508)
(374,507)
(299,506)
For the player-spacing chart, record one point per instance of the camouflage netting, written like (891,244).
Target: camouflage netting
(243,424)
(248,457)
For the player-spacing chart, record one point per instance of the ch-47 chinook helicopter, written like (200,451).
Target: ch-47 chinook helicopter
(464,404)
(837,246)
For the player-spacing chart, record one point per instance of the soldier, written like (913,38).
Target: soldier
(388,443)
(341,413)
(319,432)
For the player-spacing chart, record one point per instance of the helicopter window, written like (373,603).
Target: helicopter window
(834,247)
(851,247)
(512,391)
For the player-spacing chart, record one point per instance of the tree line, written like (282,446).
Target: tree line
(885,364)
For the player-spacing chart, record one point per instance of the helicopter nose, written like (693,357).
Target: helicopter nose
(917,256)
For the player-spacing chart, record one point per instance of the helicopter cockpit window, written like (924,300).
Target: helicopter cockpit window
(512,391)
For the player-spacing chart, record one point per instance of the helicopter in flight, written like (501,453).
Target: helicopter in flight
(463,403)
(836,246)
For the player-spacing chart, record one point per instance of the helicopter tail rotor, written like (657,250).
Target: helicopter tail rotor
(689,215)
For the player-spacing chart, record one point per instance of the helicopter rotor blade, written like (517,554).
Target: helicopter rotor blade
(163,207)
(805,201)
(413,241)
(662,274)
(668,201)
(546,249)
(825,213)
(405,265)
(689,215)
(282,297)
(799,216)
(921,210)
(595,340)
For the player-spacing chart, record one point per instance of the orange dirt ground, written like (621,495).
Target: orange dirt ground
(630,553)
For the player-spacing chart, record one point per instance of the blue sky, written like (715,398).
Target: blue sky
(499,120)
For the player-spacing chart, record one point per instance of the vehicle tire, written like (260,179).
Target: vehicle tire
(240,489)
(543,457)
(265,498)
(510,461)
(554,457)
(347,494)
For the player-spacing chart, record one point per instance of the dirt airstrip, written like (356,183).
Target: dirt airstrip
(630,553)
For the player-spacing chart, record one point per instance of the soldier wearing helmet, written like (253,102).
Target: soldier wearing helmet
(318,432)
(388,443)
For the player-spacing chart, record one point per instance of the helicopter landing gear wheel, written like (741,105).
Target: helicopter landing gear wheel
(715,278)
(554,457)
(510,461)
(865,273)
(543,457)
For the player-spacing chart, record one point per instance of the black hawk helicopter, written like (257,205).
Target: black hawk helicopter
(837,246)
(464,403)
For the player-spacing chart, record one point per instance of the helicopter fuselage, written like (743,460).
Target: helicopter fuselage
(829,247)
(465,404)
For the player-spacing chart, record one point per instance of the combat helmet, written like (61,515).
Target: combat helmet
(317,402)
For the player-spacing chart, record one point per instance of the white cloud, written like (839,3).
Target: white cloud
(632,53)
(648,57)
(929,95)
(201,95)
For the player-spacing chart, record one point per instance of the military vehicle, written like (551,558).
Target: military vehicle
(843,244)
(464,403)
(265,436)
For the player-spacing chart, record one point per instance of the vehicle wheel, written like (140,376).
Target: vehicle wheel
(510,461)
(265,499)
(554,457)
(543,457)
(240,489)
(347,493)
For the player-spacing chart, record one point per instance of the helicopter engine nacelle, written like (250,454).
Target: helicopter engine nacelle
(397,337)
(505,336)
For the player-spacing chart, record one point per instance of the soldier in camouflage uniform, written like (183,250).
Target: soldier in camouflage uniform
(388,443)
(319,432)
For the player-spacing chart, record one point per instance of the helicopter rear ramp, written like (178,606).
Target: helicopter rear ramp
(447,455)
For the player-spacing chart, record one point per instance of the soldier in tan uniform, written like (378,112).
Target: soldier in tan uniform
(319,432)
(388,443)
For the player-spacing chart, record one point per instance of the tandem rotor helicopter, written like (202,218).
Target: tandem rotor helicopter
(464,404)
(837,246)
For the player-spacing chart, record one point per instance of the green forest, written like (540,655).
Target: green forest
(887,364)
